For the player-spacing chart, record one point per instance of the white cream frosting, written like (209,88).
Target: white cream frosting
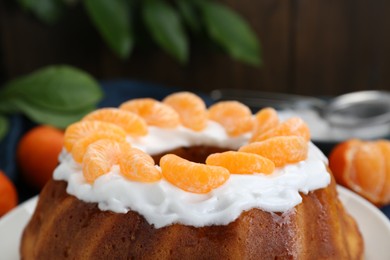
(163,204)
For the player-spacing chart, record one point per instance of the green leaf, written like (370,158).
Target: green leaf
(165,27)
(231,31)
(56,88)
(111,17)
(7,106)
(4,127)
(48,11)
(188,12)
(48,117)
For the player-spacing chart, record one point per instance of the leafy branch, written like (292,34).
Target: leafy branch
(55,95)
(168,22)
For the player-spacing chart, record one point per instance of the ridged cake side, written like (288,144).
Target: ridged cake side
(64,227)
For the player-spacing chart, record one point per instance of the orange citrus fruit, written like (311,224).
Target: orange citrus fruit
(367,159)
(266,119)
(340,158)
(80,147)
(137,165)
(364,167)
(384,145)
(293,126)
(100,157)
(241,163)
(281,150)
(234,116)
(190,176)
(79,130)
(37,154)
(153,112)
(130,122)
(8,195)
(191,109)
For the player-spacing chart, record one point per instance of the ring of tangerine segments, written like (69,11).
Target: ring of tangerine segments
(100,157)
(265,119)
(79,130)
(153,112)
(281,150)
(191,176)
(80,146)
(137,165)
(132,123)
(241,163)
(293,126)
(234,116)
(191,109)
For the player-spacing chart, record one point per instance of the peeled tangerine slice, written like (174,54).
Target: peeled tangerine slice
(265,119)
(130,122)
(190,176)
(234,116)
(241,163)
(100,157)
(191,109)
(153,112)
(281,150)
(80,147)
(82,129)
(384,145)
(293,126)
(136,165)
(364,167)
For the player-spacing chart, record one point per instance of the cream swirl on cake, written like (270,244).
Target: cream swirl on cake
(162,201)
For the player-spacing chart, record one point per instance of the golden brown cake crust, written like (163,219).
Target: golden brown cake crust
(64,227)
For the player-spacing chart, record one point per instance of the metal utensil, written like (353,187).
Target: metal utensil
(356,109)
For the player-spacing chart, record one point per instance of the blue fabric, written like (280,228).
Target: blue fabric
(116,92)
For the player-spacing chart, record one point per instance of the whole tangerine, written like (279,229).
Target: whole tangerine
(8,195)
(37,154)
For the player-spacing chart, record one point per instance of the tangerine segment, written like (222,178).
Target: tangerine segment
(340,159)
(80,147)
(293,126)
(363,167)
(100,157)
(368,171)
(191,109)
(130,122)
(281,150)
(266,119)
(81,129)
(153,112)
(136,165)
(384,145)
(241,163)
(234,116)
(190,176)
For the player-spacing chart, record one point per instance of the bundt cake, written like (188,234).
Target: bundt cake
(175,180)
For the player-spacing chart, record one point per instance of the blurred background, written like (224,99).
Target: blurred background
(310,47)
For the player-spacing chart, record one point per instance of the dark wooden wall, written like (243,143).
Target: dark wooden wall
(310,47)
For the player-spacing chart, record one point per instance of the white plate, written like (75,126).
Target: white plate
(11,228)
(374,225)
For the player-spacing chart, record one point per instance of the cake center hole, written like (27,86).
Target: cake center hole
(196,154)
